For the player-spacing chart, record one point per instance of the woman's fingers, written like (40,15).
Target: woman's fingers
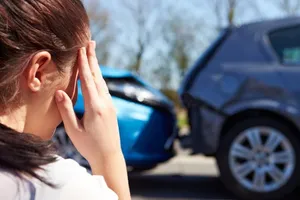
(65,107)
(94,66)
(93,63)
(88,86)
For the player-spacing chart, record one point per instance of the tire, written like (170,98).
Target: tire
(260,162)
(66,148)
(139,169)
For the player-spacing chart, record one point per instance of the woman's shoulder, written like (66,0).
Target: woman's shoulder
(12,187)
(62,170)
(74,182)
(71,180)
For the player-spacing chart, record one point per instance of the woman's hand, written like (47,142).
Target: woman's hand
(96,136)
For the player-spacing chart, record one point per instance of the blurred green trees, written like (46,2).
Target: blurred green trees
(160,40)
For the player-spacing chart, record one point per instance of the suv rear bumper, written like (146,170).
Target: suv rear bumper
(206,126)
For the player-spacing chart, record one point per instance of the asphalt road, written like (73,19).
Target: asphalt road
(184,177)
(163,187)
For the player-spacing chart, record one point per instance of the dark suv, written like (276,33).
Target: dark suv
(243,102)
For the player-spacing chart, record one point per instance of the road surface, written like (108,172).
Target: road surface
(184,177)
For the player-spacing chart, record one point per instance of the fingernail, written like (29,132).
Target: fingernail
(83,50)
(59,97)
(94,44)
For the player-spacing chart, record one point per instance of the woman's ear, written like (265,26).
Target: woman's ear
(36,70)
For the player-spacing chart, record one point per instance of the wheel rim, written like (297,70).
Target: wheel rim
(66,148)
(262,159)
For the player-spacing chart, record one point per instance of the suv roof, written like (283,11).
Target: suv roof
(269,25)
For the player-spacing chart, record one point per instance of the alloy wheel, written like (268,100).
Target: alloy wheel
(262,159)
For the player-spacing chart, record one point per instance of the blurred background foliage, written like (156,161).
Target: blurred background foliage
(160,39)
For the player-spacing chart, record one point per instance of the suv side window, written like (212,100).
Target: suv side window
(286,43)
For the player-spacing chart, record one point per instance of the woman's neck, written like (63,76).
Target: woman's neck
(15,119)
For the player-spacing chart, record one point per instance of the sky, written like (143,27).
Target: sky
(193,11)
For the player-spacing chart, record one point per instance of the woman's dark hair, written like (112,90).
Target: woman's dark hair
(27,27)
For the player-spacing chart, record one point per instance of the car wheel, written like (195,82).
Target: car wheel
(259,159)
(66,148)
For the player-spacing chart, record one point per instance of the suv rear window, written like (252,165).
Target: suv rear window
(286,43)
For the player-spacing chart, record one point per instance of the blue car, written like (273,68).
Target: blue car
(146,121)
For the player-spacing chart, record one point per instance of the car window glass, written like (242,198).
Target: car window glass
(286,43)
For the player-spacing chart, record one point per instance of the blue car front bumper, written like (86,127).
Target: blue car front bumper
(144,132)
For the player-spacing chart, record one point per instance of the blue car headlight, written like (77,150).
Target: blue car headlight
(133,90)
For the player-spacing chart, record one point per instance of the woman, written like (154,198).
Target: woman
(44,48)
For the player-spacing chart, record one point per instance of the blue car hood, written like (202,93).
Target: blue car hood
(108,72)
